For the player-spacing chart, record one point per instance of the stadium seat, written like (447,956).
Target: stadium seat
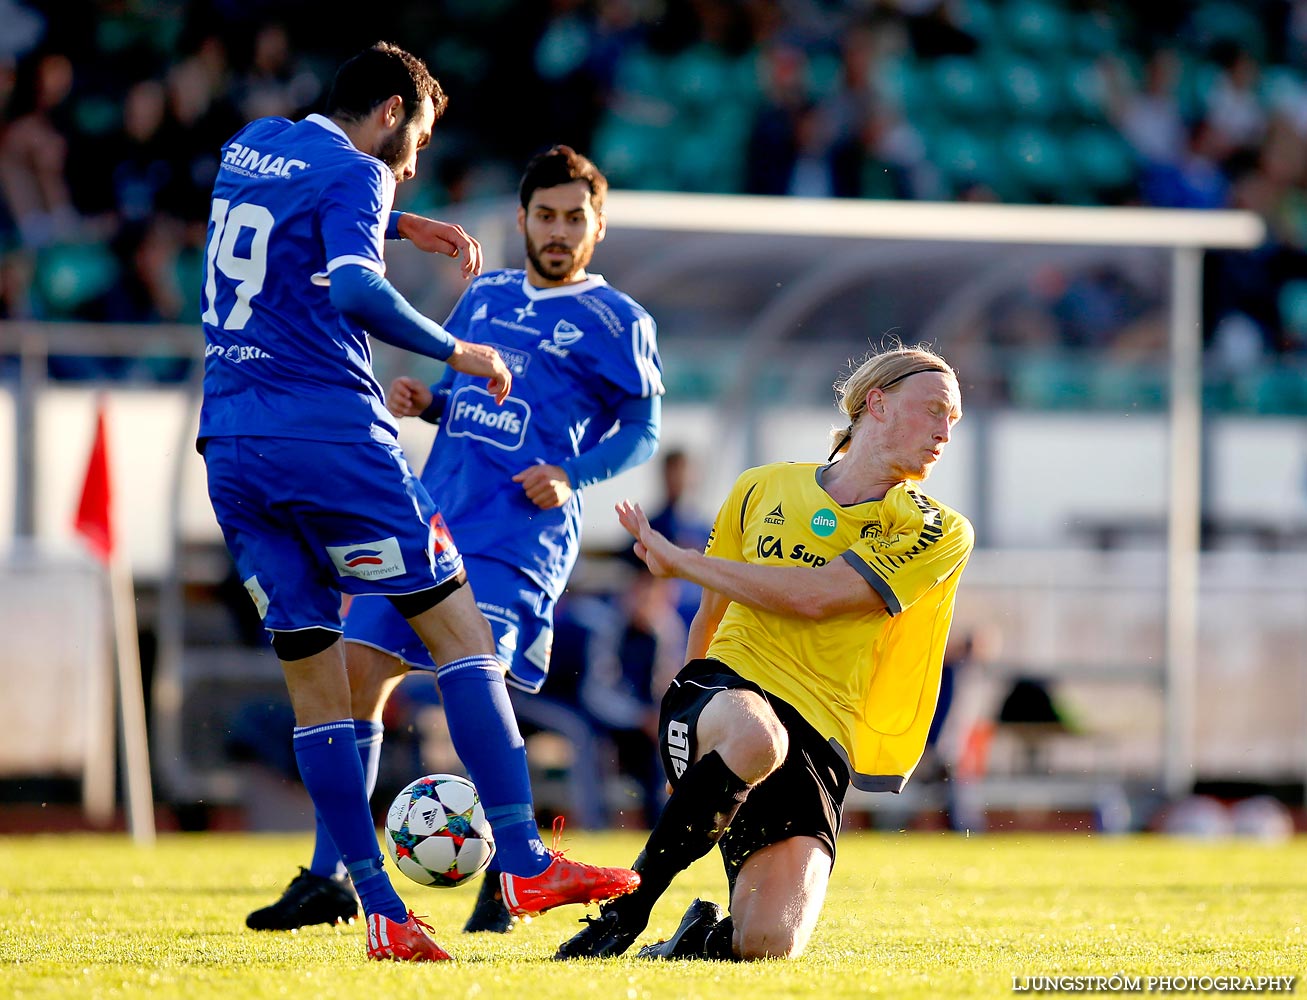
(905,85)
(1095,33)
(1050,382)
(965,157)
(964,88)
(70,275)
(703,161)
(702,78)
(1039,160)
(1292,302)
(1128,388)
(1029,91)
(1281,389)
(1086,91)
(633,155)
(1222,21)
(1036,27)
(1103,161)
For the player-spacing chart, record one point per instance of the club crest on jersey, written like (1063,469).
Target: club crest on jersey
(377,560)
(473,413)
(566,333)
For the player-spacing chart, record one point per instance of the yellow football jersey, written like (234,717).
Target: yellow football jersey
(867,682)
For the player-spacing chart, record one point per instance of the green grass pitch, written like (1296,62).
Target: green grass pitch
(908,915)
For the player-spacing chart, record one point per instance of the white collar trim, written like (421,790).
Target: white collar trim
(591,283)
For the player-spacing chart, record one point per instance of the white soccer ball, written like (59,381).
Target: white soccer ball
(436,831)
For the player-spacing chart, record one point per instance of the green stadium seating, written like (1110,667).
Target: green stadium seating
(1036,27)
(68,276)
(963,88)
(1102,159)
(1030,92)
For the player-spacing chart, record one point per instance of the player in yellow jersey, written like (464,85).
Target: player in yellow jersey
(814,663)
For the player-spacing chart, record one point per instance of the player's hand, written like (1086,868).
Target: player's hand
(446,238)
(546,486)
(653,547)
(408,397)
(484,361)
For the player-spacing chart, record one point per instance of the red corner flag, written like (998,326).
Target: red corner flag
(94,521)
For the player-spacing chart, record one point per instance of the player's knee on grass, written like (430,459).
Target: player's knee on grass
(745,732)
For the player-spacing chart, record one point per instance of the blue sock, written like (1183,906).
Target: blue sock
(486,738)
(367,737)
(333,775)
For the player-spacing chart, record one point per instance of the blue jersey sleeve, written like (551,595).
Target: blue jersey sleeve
(460,316)
(639,420)
(354,209)
(633,364)
(440,393)
(373,302)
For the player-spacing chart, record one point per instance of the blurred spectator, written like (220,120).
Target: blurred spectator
(275,83)
(33,152)
(677,519)
(633,653)
(1149,116)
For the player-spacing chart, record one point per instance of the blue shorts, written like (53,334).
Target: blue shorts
(309,520)
(519,612)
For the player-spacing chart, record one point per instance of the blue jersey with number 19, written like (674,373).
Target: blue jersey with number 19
(293,201)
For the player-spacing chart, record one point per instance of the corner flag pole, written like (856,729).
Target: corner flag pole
(95,523)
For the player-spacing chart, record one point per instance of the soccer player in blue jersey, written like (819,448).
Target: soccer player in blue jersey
(585,406)
(306,477)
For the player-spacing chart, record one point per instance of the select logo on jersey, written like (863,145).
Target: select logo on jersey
(479,313)
(379,560)
(258,595)
(473,413)
(777,516)
(250,162)
(517,361)
(823,523)
(773,547)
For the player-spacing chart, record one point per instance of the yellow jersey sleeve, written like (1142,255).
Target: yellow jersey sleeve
(917,544)
(726,539)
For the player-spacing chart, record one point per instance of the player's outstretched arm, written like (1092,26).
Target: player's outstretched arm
(800,592)
(446,238)
(483,361)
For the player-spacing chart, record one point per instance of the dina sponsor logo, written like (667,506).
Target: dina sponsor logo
(823,523)
(375,560)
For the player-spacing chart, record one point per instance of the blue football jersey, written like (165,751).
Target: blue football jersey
(292,202)
(576,352)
